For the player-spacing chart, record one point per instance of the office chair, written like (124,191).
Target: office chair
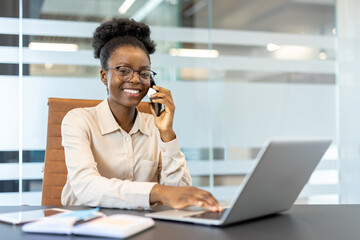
(55,171)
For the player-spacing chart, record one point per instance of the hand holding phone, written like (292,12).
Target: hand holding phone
(164,122)
(157,106)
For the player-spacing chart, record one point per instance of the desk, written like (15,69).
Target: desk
(300,222)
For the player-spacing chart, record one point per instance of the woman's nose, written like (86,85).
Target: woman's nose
(135,78)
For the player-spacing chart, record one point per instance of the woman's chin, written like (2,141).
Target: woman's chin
(129,104)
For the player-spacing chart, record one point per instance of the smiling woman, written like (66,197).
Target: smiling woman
(119,157)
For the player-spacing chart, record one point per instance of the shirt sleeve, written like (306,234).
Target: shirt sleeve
(86,183)
(174,171)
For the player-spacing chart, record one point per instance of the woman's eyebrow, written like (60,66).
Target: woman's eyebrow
(145,67)
(123,64)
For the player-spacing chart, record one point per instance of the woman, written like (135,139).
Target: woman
(116,156)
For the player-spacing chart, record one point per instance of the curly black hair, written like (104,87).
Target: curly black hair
(119,32)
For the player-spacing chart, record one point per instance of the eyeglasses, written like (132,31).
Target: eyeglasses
(127,73)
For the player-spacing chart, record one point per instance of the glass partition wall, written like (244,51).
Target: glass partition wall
(240,72)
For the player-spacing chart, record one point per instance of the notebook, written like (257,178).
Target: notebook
(279,173)
(91,223)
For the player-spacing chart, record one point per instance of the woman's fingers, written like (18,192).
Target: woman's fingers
(168,106)
(162,93)
(181,197)
(161,89)
(211,208)
(203,199)
(208,197)
(161,96)
(165,102)
(204,204)
(210,203)
(196,202)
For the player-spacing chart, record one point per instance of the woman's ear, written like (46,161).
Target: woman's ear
(103,76)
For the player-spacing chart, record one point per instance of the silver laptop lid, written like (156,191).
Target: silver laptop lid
(279,173)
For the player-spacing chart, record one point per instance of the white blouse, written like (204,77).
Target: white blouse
(109,167)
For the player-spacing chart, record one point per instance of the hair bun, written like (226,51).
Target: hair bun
(120,27)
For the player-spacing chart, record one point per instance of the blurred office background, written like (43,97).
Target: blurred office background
(241,71)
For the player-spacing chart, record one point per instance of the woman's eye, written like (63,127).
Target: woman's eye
(123,71)
(145,75)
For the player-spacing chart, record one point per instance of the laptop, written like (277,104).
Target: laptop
(275,180)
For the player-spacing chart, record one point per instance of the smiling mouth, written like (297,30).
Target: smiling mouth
(132,92)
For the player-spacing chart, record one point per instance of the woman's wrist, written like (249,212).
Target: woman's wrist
(156,193)
(167,135)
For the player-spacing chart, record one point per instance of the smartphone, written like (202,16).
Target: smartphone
(157,106)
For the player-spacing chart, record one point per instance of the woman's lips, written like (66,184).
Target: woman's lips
(132,92)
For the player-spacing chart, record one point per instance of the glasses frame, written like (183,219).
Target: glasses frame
(133,72)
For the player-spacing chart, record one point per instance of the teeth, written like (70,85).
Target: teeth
(131,91)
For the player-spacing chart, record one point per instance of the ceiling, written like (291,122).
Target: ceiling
(291,16)
(315,17)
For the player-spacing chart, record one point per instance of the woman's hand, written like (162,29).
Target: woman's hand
(180,197)
(164,122)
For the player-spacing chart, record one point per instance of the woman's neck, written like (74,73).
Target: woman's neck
(124,116)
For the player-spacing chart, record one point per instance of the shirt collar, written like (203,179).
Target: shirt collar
(106,119)
(140,124)
(108,122)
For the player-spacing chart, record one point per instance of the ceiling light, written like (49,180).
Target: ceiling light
(172,1)
(58,47)
(293,52)
(334,31)
(146,9)
(125,6)
(322,55)
(48,65)
(272,47)
(202,53)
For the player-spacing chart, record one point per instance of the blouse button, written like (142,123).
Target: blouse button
(163,149)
